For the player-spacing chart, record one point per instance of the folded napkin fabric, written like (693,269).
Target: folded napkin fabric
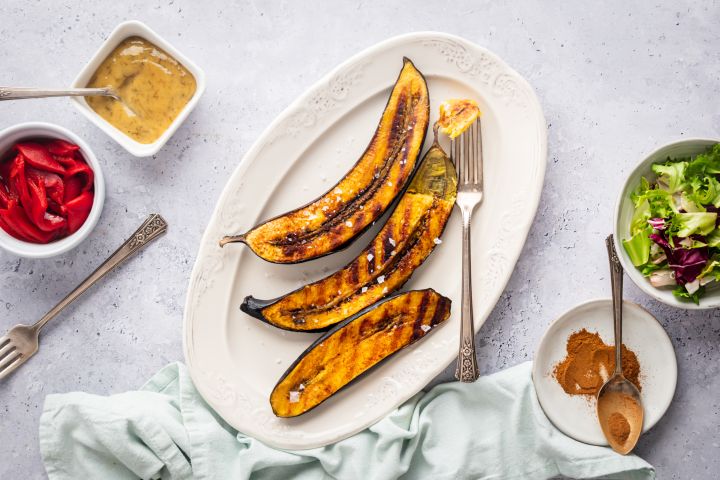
(492,429)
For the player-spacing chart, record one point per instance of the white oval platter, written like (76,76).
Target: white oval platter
(236,360)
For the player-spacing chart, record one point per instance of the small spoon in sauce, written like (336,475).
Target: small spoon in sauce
(23,93)
(619,407)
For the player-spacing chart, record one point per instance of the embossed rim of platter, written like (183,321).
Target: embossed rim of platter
(467,63)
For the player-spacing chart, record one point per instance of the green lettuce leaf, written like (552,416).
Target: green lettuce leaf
(659,202)
(712,269)
(713,238)
(641,215)
(705,164)
(638,247)
(686,224)
(681,293)
(705,191)
(671,174)
(650,267)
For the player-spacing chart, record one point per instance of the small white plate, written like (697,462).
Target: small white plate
(575,415)
(121,32)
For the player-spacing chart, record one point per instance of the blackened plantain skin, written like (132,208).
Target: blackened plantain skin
(354,347)
(344,212)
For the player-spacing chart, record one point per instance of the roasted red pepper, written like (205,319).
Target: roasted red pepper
(54,184)
(40,157)
(46,191)
(61,147)
(4,196)
(78,178)
(78,210)
(18,220)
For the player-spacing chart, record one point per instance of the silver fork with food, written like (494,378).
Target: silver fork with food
(22,341)
(466,152)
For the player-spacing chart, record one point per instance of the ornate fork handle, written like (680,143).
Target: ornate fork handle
(467,368)
(152,228)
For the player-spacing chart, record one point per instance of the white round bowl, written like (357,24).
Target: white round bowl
(624,211)
(10,136)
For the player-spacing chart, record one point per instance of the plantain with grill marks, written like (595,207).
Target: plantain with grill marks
(404,242)
(354,347)
(335,219)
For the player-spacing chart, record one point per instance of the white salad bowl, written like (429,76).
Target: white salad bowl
(624,211)
(12,135)
(121,32)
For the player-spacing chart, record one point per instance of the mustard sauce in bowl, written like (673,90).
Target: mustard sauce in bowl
(153,88)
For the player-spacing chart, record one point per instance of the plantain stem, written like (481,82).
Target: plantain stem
(232,239)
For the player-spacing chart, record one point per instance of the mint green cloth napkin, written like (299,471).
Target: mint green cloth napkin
(492,429)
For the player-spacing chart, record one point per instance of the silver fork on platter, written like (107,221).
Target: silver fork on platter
(466,152)
(22,341)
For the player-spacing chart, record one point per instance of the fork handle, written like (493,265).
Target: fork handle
(152,228)
(21,93)
(467,368)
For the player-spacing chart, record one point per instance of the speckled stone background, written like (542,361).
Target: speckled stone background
(615,79)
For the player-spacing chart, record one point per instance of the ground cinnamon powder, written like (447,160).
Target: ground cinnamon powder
(619,427)
(590,362)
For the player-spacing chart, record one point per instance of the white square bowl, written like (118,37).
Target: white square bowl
(124,30)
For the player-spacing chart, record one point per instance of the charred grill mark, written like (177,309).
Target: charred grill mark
(405,221)
(343,334)
(396,145)
(399,121)
(366,325)
(354,272)
(370,256)
(409,245)
(409,129)
(417,331)
(397,334)
(359,219)
(387,240)
(293,249)
(441,309)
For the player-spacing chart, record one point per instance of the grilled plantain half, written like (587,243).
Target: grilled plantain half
(404,242)
(354,347)
(332,221)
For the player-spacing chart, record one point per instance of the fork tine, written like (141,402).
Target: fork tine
(479,157)
(6,350)
(4,341)
(9,366)
(471,154)
(455,154)
(467,156)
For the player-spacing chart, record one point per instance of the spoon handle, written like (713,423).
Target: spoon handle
(20,93)
(616,281)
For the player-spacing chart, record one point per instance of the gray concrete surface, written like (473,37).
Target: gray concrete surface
(615,80)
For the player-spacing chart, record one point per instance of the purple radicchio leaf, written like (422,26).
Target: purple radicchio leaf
(657,223)
(687,263)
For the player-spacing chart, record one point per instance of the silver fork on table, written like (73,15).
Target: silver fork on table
(21,342)
(466,152)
